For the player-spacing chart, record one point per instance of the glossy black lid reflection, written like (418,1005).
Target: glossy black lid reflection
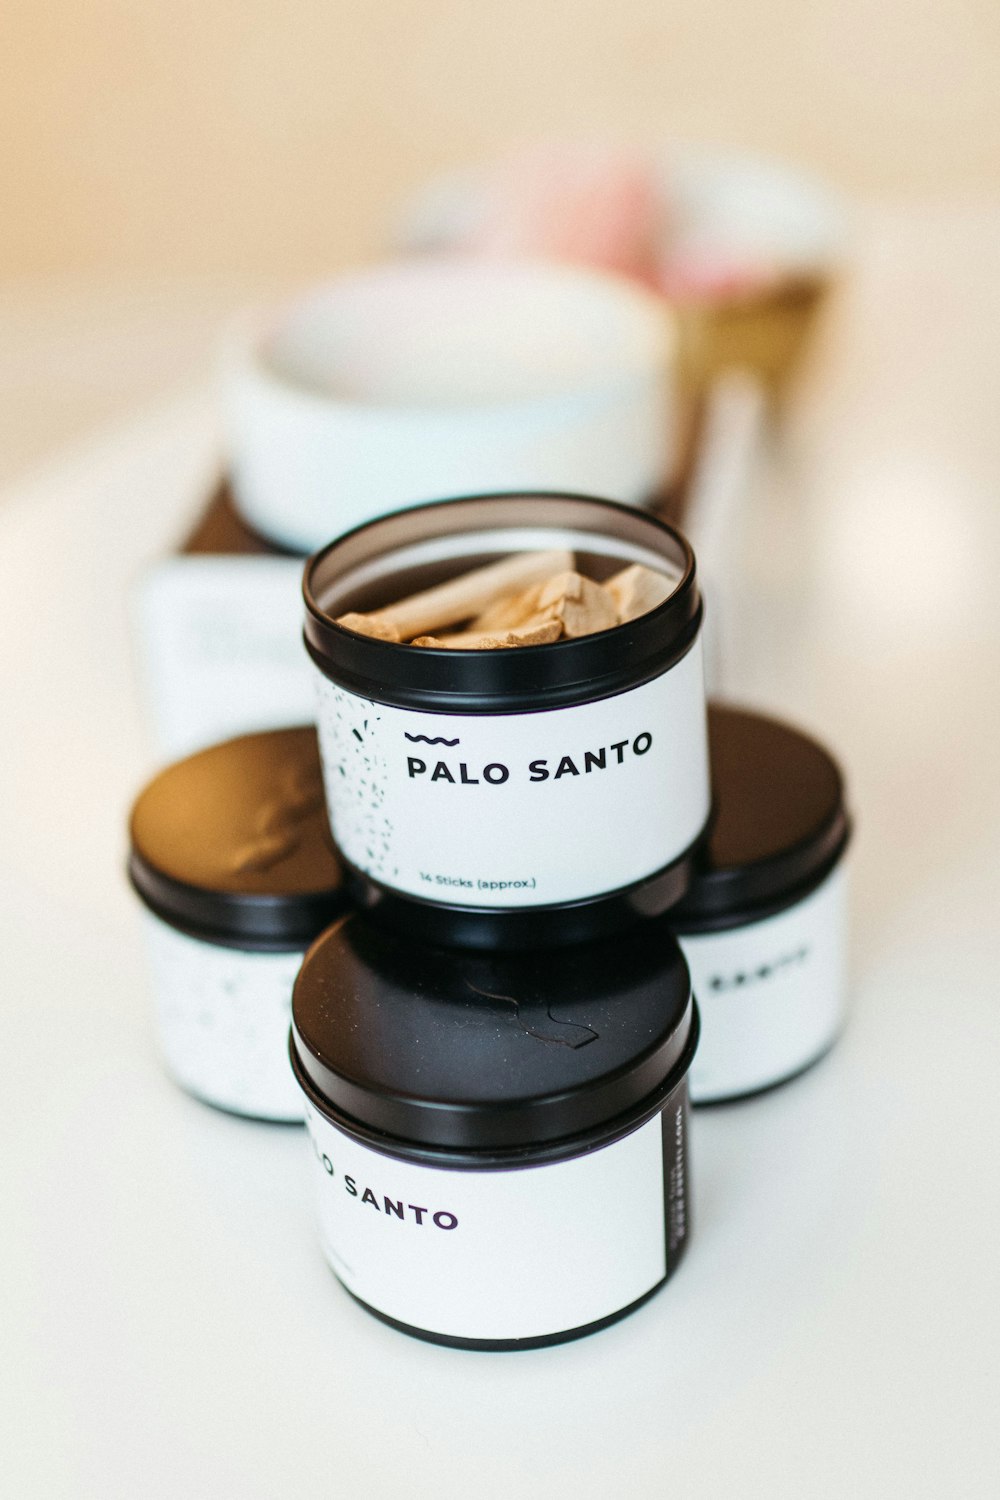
(233,842)
(474,1050)
(779,818)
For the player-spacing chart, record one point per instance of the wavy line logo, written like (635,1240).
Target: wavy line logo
(425,739)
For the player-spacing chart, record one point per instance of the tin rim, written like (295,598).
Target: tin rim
(533,677)
(227,919)
(509,1158)
(770,875)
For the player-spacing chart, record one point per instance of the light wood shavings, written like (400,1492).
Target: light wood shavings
(471,640)
(636,590)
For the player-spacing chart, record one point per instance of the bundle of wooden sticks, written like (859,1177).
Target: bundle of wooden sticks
(529,599)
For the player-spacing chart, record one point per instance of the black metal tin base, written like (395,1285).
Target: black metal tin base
(767,1088)
(514,928)
(500,1346)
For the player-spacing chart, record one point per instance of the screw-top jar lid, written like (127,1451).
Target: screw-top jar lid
(232,844)
(779,820)
(417,548)
(485,1051)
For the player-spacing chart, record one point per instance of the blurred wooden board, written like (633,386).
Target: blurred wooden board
(221,531)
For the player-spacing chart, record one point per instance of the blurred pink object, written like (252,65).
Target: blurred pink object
(594,205)
(692,278)
(603,206)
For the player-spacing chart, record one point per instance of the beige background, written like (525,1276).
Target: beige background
(268,137)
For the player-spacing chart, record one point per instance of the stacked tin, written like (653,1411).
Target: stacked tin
(493,1031)
(483,1045)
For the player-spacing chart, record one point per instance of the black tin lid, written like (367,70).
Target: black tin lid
(779,821)
(482,1052)
(417,548)
(232,844)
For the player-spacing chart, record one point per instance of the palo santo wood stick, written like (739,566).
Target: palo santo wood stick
(460,598)
(373,625)
(580,605)
(472,640)
(509,611)
(636,590)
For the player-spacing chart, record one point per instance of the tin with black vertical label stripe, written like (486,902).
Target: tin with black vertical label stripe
(500,1140)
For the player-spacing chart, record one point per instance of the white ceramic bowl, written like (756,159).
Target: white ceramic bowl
(436,378)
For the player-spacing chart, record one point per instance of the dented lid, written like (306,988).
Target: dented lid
(482,1051)
(232,844)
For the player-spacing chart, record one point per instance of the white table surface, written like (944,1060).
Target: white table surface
(168,1326)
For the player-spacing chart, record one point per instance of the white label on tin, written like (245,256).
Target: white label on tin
(519,809)
(497,1255)
(770,994)
(221,649)
(223,1018)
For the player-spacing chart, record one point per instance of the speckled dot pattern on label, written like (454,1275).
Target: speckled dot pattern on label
(356,776)
(223,1017)
(518,809)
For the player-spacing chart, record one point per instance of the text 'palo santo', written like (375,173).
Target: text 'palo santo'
(544,768)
